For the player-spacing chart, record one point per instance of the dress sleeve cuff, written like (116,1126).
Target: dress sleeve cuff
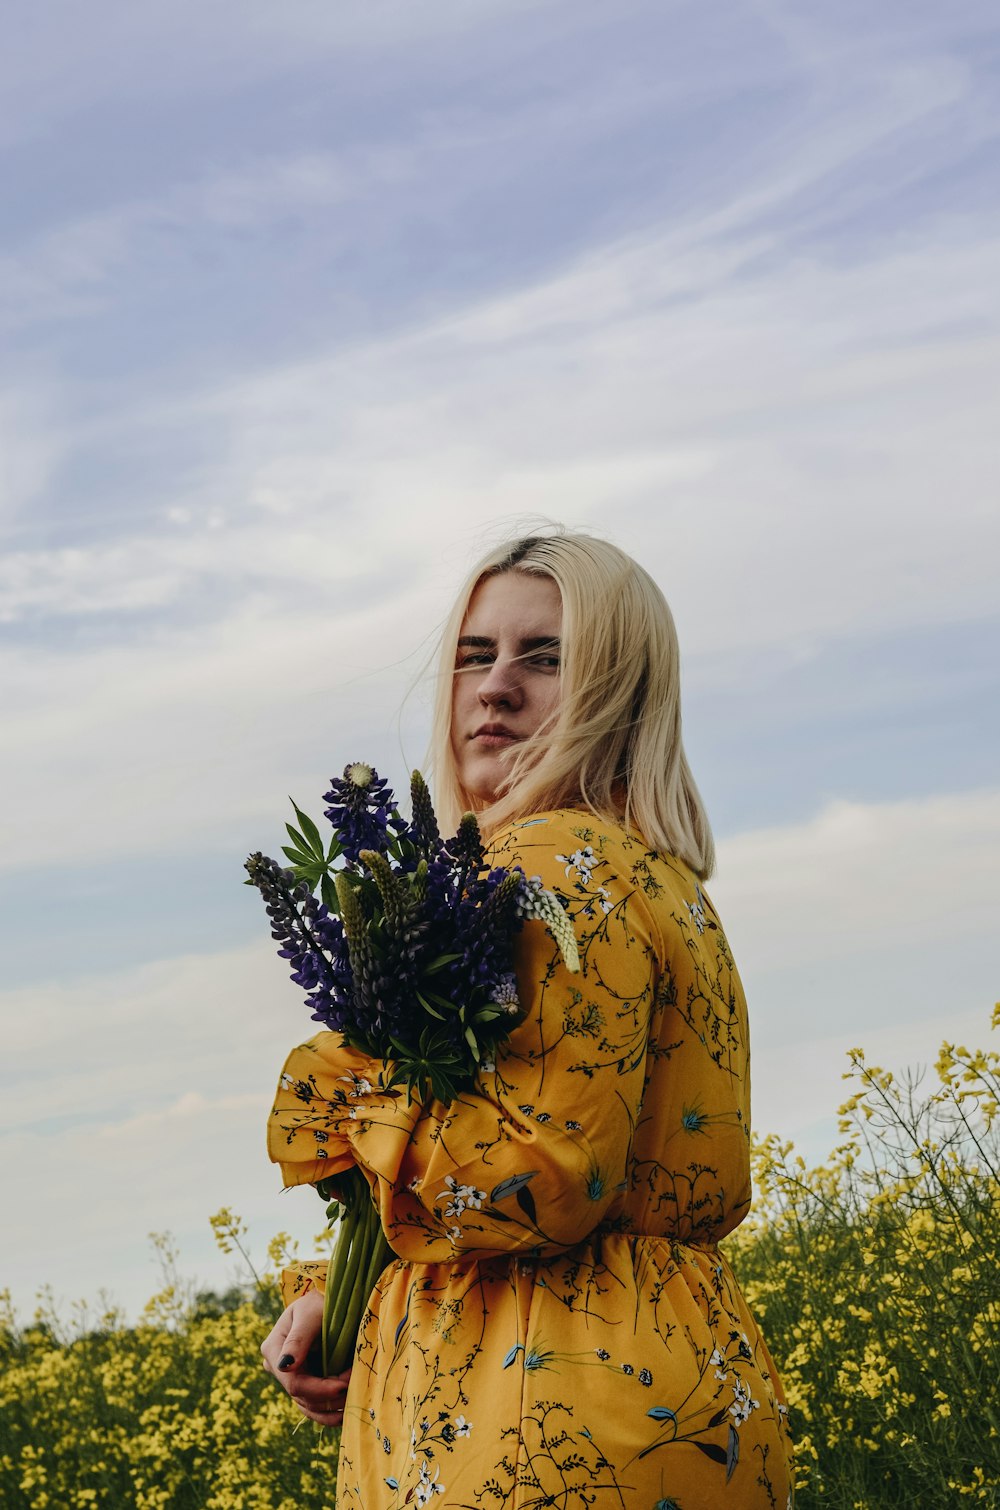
(318,1085)
(297,1279)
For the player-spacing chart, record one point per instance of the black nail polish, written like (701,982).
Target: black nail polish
(285,1361)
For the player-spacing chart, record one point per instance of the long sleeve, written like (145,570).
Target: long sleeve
(536,1155)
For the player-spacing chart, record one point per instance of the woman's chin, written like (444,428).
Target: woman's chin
(484,768)
(482,779)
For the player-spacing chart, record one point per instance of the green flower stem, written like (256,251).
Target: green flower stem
(360,1256)
(344,1339)
(381,1255)
(342,1273)
(335,1275)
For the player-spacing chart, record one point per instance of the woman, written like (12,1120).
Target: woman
(561,1328)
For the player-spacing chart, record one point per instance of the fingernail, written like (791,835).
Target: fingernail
(286,1360)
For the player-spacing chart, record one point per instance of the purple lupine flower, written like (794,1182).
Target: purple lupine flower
(310,940)
(485,922)
(424,831)
(362,810)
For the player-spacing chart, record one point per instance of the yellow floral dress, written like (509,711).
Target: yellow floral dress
(560,1328)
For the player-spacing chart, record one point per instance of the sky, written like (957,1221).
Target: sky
(303,306)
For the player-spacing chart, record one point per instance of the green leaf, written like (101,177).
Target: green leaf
(309,873)
(297,839)
(328,893)
(442,1001)
(298,856)
(428,1008)
(440,962)
(314,842)
(470,1039)
(398,847)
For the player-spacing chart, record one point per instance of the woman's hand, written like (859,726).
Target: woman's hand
(285,1351)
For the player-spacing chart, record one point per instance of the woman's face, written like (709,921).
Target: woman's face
(507,683)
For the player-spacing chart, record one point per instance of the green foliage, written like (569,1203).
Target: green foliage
(155,1417)
(874,1279)
(309,859)
(173,1414)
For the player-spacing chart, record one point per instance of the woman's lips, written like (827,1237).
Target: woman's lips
(494,739)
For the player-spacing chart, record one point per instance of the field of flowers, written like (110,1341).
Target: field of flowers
(173,1414)
(875,1278)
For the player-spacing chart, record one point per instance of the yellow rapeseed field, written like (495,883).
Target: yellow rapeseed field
(172,1414)
(875,1278)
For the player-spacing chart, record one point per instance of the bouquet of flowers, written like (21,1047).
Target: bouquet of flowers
(404,944)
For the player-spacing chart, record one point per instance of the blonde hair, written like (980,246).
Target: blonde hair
(614,748)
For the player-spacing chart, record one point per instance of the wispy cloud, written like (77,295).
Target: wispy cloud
(30,445)
(873,395)
(863,926)
(76,268)
(864,880)
(179,52)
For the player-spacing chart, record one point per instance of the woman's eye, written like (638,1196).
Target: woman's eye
(478,660)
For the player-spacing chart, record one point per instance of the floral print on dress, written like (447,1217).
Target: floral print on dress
(557,1226)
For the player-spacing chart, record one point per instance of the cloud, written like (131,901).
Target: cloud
(883,877)
(191,1105)
(192,740)
(799,1084)
(181,51)
(109,1047)
(862,926)
(86,1201)
(30,445)
(139,1105)
(755,415)
(73,269)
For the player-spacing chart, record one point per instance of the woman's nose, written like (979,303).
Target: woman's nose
(501,687)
